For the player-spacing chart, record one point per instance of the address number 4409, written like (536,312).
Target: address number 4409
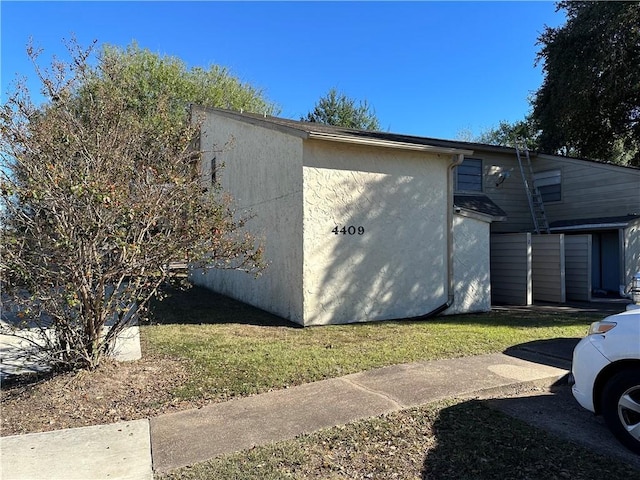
(350,230)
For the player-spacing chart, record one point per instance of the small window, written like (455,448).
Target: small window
(549,184)
(469,175)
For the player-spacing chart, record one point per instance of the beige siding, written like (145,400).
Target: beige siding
(577,250)
(511,269)
(548,268)
(591,189)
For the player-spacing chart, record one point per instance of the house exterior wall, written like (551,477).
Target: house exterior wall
(631,251)
(577,255)
(471,266)
(390,207)
(591,189)
(595,190)
(588,190)
(548,268)
(509,195)
(263,173)
(511,259)
(398,267)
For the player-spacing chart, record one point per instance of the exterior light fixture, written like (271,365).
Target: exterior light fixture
(502,176)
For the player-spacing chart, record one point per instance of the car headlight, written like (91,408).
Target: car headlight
(601,327)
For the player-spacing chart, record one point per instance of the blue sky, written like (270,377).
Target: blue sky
(433,69)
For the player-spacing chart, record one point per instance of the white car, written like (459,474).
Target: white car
(605,374)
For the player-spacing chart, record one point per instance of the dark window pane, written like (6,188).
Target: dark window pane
(550,193)
(469,175)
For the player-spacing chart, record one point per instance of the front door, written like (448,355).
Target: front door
(605,277)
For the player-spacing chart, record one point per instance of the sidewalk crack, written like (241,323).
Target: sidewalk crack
(396,404)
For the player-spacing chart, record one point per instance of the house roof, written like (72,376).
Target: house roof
(479,203)
(378,138)
(599,223)
(321,131)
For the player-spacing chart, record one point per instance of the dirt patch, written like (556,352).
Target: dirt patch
(114,392)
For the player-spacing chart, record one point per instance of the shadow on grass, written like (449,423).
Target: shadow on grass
(479,442)
(515,319)
(198,305)
(555,352)
(556,410)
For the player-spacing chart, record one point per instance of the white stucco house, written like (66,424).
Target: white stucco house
(357,226)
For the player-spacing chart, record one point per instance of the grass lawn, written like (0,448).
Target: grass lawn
(447,440)
(237,350)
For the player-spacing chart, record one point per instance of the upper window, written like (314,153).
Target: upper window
(549,184)
(469,175)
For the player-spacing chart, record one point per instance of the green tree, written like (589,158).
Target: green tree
(506,134)
(99,192)
(151,76)
(341,111)
(589,102)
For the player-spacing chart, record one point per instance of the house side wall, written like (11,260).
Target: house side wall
(577,250)
(590,189)
(511,281)
(471,266)
(510,195)
(548,268)
(631,251)
(262,170)
(398,267)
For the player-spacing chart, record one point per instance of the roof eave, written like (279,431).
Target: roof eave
(484,217)
(332,137)
(590,226)
(256,120)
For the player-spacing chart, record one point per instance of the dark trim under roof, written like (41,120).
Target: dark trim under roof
(599,223)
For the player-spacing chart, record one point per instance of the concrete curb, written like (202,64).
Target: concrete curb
(19,356)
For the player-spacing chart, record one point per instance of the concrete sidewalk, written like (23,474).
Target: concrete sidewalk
(183,438)
(128,450)
(114,451)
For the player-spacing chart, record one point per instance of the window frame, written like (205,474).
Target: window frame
(549,185)
(480,175)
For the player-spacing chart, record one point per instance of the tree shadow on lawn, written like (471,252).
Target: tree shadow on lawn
(199,305)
